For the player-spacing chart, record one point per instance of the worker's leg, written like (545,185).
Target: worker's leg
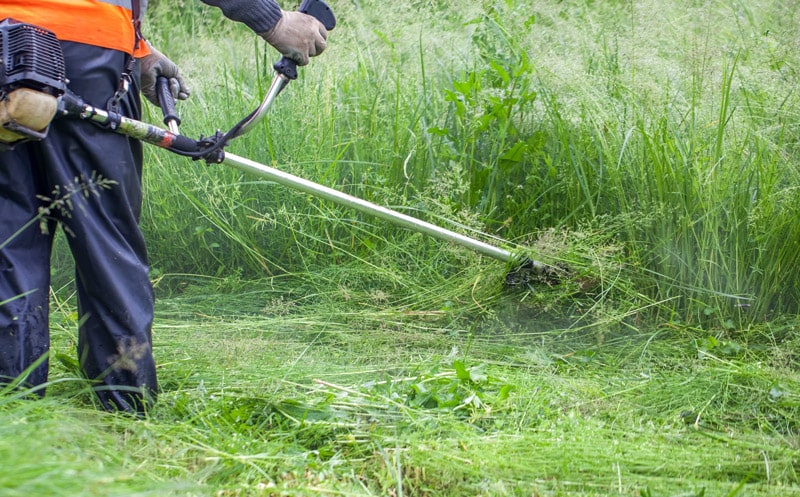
(24,267)
(115,296)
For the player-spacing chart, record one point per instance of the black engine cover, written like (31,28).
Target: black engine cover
(31,58)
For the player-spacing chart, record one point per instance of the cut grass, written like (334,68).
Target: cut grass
(337,397)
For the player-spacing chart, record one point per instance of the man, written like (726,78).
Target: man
(89,180)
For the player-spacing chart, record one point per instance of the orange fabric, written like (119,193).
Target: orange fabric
(84,21)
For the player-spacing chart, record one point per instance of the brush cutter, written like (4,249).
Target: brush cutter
(37,88)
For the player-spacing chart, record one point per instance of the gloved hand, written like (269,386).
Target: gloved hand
(157,64)
(298,36)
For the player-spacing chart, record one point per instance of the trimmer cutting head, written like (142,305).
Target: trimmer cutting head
(530,272)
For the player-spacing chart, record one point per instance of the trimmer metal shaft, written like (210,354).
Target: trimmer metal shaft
(366,207)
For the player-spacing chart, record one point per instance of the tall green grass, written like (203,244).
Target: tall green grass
(670,126)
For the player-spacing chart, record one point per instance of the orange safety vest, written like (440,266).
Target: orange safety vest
(102,23)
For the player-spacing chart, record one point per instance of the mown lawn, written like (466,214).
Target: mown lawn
(265,395)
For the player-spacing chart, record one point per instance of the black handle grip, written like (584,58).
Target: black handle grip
(324,14)
(166,101)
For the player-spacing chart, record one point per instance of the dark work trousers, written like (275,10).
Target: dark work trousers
(65,173)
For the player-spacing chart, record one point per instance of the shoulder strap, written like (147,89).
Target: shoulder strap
(136,11)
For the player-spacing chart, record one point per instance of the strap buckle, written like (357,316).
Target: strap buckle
(124,86)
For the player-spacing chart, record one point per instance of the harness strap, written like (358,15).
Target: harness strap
(127,74)
(136,10)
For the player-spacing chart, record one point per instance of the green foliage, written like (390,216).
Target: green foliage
(513,119)
(470,392)
(488,130)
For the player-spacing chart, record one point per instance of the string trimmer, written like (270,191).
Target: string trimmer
(33,92)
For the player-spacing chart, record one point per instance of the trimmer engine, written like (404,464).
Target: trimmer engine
(32,77)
